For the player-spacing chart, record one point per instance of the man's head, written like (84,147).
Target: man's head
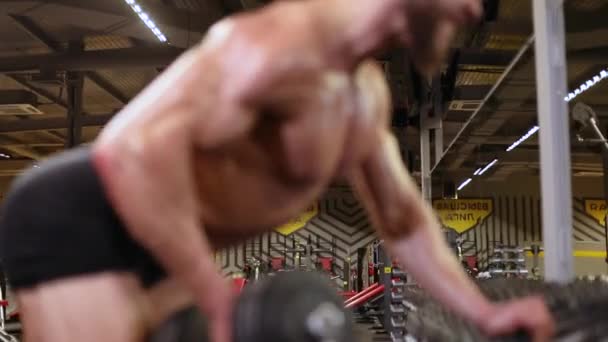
(432,25)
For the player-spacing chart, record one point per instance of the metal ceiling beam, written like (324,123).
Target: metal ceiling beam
(163,15)
(511,27)
(527,155)
(24,151)
(475,56)
(471,92)
(577,21)
(108,87)
(15,146)
(127,58)
(43,92)
(457,142)
(479,56)
(54,123)
(495,57)
(587,56)
(38,33)
(154,57)
(75,99)
(529,103)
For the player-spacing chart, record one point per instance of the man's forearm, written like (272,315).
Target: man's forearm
(411,232)
(425,254)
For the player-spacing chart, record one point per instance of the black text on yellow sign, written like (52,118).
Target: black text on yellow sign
(300,221)
(463,214)
(596,208)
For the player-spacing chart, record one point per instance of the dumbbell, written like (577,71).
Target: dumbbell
(289,307)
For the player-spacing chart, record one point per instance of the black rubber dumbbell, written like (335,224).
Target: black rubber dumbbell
(290,307)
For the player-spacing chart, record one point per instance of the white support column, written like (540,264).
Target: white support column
(438,137)
(554,139)
(425,155)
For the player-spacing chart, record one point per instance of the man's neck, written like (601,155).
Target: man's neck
(364,27)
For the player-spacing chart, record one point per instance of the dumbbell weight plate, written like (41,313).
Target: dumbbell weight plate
(292,307)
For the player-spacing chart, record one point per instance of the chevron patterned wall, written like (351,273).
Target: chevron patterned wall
(341,221)
(517,220)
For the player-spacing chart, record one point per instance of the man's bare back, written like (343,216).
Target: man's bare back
(246,130)
(284,147)
(286,152)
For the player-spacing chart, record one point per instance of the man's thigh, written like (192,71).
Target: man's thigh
(101,307)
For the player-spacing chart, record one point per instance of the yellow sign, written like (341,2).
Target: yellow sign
(578,254)
(462,214)
(299,222)
(597,210)
(388,270)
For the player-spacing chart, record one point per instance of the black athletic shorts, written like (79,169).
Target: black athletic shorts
(56,222)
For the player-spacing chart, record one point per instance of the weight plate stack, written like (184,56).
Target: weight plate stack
(580,310)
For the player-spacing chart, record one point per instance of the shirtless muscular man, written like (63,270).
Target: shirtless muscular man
(239,135)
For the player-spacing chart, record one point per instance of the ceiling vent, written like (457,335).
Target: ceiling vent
(464,105)
(19,109)
(18,102)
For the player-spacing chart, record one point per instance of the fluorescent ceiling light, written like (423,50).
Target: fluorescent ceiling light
(489,166)
(588,174)
(571,96)
(477,172)
(465,183)
(145,18)
(525,137)
(5,156)
(587,85)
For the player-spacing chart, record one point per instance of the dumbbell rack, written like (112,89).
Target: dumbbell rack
(508,261)
(394,280)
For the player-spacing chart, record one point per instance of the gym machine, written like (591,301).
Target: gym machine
(456,242)
(307,256)
(4,335)
(382,303)
(254,269)
(394,280)
(535,250)
(312,255)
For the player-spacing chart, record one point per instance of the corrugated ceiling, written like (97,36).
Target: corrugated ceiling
(106,42)
(129,82)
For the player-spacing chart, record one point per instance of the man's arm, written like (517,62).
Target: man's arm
(411,231)
(412,235)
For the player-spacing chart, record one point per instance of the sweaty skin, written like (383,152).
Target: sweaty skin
(246,130)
